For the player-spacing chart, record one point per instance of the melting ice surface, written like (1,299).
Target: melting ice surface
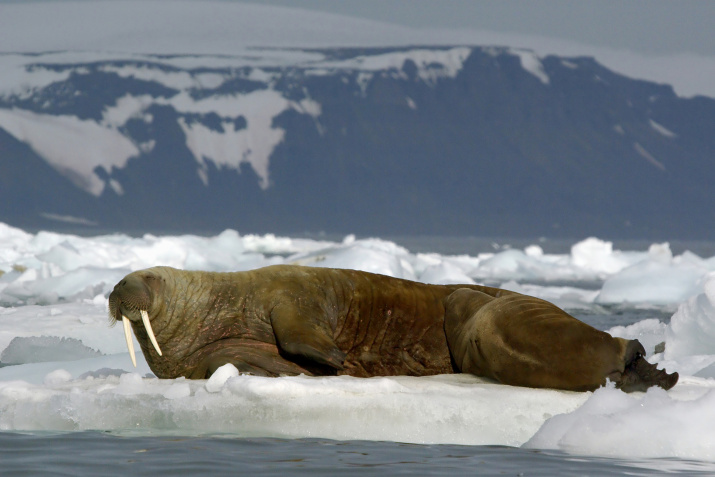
(66,369)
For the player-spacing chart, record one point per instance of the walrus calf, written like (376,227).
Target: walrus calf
(288,320)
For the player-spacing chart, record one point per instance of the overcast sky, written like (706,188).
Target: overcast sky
(659,27)
(647,26)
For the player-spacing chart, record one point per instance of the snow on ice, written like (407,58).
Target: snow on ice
(54,137)
(65,368)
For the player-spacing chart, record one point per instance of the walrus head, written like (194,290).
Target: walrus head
(131,300)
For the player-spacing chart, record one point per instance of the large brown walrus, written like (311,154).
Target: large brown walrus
(287,320)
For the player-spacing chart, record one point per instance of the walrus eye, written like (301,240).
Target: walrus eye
(128,337)
(150,332)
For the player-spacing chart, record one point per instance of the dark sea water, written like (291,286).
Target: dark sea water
(97,453)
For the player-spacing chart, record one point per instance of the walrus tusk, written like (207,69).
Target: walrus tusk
(150,332)
(128,337)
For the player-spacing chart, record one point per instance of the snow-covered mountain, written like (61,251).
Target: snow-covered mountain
(447,140)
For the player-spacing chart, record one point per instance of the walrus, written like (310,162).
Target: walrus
(289,319)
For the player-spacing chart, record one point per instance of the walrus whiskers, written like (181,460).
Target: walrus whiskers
(128,337)
(150,332)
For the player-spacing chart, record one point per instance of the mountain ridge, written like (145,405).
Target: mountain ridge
(409,140)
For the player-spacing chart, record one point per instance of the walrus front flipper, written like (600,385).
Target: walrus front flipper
(639,374)
(302,336)
(209,366)
(248,356)
(247,359)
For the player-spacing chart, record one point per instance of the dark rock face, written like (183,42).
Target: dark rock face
(485,142)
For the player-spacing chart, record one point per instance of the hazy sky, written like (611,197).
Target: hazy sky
(660,27)
(647,26)
(667,41)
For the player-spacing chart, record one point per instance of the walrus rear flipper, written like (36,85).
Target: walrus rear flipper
(300,336)
(525,341)
(640,375)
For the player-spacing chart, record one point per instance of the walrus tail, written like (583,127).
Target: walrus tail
(640,375)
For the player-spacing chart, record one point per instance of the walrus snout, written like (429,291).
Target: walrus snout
(130,296)
(131,300)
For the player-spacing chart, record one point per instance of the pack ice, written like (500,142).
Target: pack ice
(65,369)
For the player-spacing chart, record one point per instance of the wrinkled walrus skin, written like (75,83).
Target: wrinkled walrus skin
(288,320)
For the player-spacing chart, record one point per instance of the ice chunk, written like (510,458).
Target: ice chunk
(220,376)
(49,288)
(102,373)
(692,327)
(567,298)
(437,409)
(56,377)
(83,321)
(105,392)
(511,264)
(650,333)
(37,349)
(370,255)
(445,273)
(598,255)
(654,424)
(131,384)
(652,281)
(177,391)
(66,256)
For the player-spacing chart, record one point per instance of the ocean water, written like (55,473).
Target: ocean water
(98,453)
